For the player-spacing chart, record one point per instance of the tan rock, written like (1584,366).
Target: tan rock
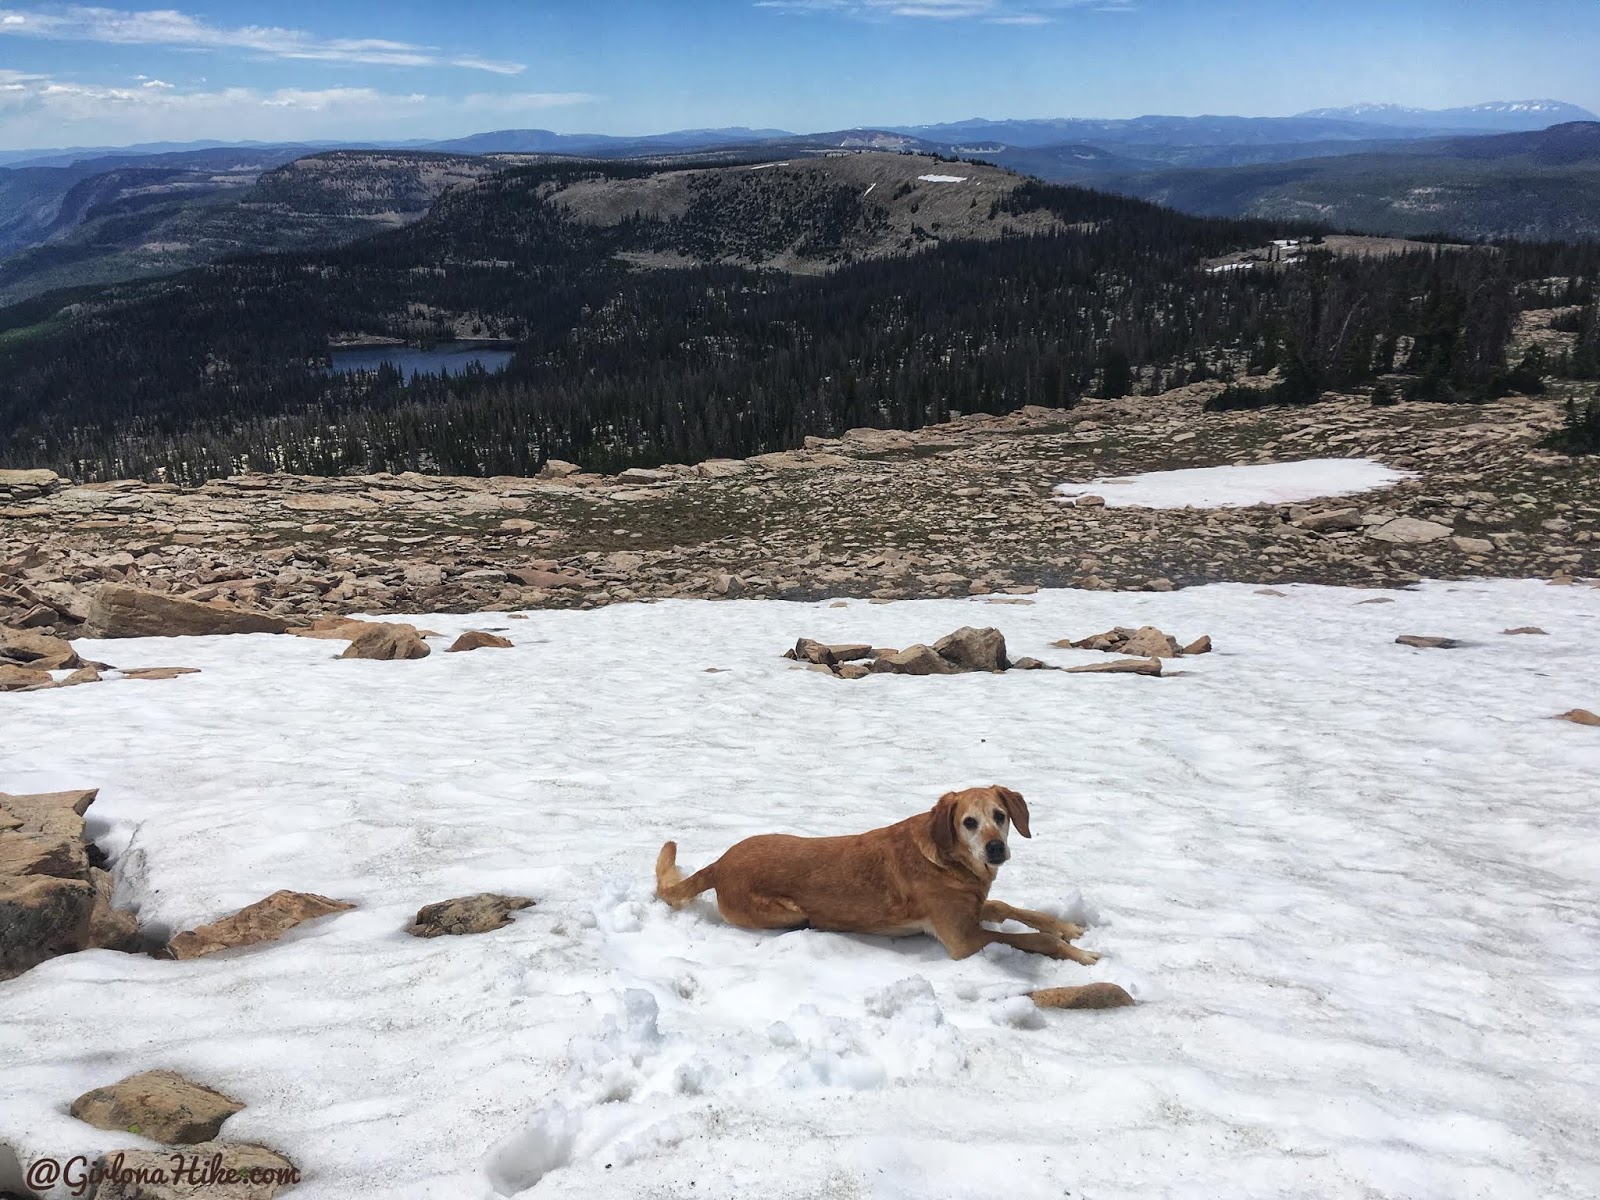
(35,480)
(41,916)
(1579,716)
(387,643)
(264,921)
(81,675)
(1331,521)
(110,928)
(159,672)
(1426,643)
(914,660)
(160,1105)
(519,525)
(1201,645)
(1090,502)
(1121,666)
(1472,545)
(59,814)
(852,670)
(974,649)
(329,504)
(466,914)
(119,611)
(1149,642)
(1089,995)
(24,679)
(42,854)
(37,650)
(333,629)
(206,1171)
(555,468)
(477,639)
(1407,531)
(1525,629)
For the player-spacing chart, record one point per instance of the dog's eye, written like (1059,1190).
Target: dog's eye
(999,817)
(971,822)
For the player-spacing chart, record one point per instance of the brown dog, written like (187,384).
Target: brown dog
(927,874)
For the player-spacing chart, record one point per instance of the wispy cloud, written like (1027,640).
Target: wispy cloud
(168,27)
(37,110)
(991,12)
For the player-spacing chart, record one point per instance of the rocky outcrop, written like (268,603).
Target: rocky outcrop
(1146,642)
(124,612)
(466,914)
(53,900)
(160,1105)
(17,486)
(202,1171)
(477,639)
(972,649)
(387,642)
(40,651)
(264,921)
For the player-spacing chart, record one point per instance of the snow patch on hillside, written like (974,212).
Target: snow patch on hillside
(1239,486)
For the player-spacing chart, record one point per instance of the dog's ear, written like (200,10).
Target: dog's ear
(1016,807)
(943,827)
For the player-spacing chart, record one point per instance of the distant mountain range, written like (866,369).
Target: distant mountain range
(1541,185)
(1509,116)
(97,215)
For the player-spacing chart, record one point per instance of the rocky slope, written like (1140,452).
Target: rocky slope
(962,508)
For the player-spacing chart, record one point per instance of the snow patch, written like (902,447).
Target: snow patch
(1354,887)
(942,178)
(1240,486)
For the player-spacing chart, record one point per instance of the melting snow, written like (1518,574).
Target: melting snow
(942,178)
(1354,886)
(1240,486)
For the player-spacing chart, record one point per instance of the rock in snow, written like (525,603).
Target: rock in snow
(264,921)
(466,914)
(119,611)
(160,1105)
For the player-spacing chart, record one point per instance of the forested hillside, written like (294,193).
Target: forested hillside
(221,368)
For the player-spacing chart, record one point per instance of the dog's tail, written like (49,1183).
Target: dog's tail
(672,887)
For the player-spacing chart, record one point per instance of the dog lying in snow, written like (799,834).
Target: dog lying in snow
(930,873)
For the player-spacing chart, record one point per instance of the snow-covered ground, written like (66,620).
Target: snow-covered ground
(1239,486)
(1353,884)
(942,178)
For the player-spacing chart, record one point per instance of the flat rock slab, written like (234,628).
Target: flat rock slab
(59,813)
(1122,666)
(119,611)
(1406,531)
(1426,643)
(160,1105)
(41,651)
(159,672)
(477,639)
(466,914)
(264,921)
(1525,629)
(203,1171)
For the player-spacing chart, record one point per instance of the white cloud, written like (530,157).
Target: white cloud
(38,111)
(168,27)
(991,12)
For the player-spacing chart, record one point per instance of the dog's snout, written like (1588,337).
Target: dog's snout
(996,850)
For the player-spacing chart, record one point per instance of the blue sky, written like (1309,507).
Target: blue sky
(104,74)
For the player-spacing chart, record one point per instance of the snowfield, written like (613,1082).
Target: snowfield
(1355,886)
(942,178)
(1240,486)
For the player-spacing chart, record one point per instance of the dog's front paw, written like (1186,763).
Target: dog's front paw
(1067,930)
(1085,958)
